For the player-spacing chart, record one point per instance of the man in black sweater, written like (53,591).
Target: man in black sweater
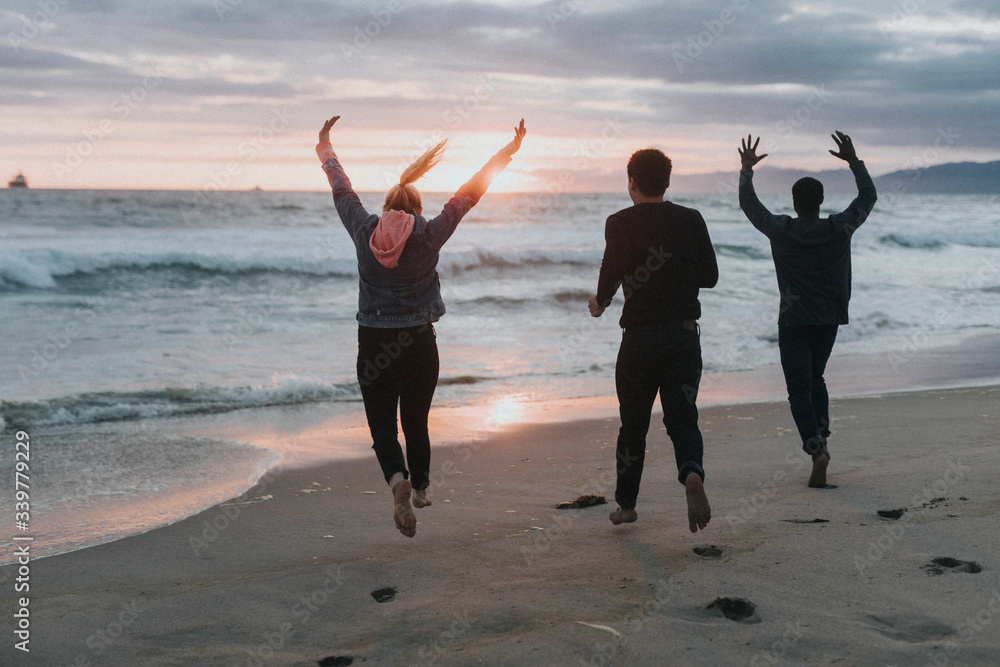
(812,260)
(660,254)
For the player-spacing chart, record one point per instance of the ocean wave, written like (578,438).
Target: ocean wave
(572,296)
(972,238)
(474,260)
(89,408)
(494,300)
(741,251)
(44,269)
(913,242)
(869,326)
(461,380)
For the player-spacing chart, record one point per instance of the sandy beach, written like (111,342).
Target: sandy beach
(285,574)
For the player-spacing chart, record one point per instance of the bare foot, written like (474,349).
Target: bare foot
(420,498)
(817,480)
(623,516)
(699,513)
(402,513)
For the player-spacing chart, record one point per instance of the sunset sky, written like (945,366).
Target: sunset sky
(230,94)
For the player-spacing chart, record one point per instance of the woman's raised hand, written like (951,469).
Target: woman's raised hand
(324,134)
(514,145)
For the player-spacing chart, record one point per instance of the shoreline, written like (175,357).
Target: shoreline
(307,435)
(496,575)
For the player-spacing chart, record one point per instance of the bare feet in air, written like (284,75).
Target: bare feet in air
(623,516)
(821,459)
(420,498)
(699,513)
(402,513)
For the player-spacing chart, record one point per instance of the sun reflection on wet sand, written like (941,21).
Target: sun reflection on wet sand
(310,434)
(450,425)
(506,410)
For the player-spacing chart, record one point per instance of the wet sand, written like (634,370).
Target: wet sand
(495,575)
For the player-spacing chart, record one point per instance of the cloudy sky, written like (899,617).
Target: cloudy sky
(230,93)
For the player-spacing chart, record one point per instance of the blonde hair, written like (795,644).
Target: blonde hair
(405,197)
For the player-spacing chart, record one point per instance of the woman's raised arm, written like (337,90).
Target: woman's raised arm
(349,206)
(324,149)
(477,185)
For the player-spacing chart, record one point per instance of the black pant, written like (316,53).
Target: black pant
(664,359)
(805,349)
(399,367)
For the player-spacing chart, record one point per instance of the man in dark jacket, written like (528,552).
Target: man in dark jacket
(812,260)
(660,254)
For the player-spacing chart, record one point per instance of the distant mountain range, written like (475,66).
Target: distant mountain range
(951,178)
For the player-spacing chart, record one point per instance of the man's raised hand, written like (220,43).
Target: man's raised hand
(845,146)
(748,154)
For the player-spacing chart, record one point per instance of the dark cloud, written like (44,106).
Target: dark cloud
(34,60)
(978,8)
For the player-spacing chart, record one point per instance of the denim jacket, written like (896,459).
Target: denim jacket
(410,293)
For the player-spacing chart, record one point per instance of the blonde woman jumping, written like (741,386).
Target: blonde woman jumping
(399,300)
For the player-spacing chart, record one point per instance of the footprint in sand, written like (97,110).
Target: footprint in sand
(336,661)
(736,609)
(384,594)
(940,565)
(710,551)
(910,628)
(583,501)
(898,513)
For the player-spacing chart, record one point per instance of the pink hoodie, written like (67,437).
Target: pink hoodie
(394,227)
(389,237)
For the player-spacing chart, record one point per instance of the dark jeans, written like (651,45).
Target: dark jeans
(399,367)
(664,358)
(805,349)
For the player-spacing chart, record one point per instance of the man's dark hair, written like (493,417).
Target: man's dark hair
(807,194)
(650,169)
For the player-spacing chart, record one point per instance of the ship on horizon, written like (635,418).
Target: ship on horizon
(19,181)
